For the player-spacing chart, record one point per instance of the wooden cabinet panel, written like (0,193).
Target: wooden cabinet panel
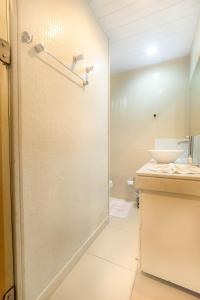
(170,239)
(6,255)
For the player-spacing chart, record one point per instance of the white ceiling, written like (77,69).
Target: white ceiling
(133,26)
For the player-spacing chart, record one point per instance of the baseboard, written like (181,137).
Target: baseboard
(57,280)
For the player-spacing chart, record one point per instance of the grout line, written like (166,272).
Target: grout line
(131,297)
(150,14)
(116,228)
(147,31)
(123,230)
(116,10)
(109,261)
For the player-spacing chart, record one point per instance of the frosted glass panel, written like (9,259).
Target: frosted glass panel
(195,102)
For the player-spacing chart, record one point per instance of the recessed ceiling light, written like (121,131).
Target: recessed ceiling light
(156,75)
(152,50)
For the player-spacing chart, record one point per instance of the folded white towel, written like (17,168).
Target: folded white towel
(174,168)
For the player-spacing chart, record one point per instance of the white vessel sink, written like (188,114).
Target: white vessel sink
(166,156)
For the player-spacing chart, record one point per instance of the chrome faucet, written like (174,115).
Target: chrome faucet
(189,141)
(185,141)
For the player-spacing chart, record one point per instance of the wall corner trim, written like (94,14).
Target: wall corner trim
(57,280)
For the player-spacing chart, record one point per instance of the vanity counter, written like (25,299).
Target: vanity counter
(170,226)
(187,184)
(146,171)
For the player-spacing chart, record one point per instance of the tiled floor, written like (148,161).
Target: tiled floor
(96,279)
(107,271)
(147,288)
(116,246)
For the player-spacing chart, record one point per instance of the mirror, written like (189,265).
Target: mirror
(194,102)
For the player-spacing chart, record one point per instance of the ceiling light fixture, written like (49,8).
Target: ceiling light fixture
(156,75)
(152,50)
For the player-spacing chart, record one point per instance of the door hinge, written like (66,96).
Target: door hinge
(10,295)
(4,52)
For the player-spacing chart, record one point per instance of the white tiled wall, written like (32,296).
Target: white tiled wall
(135,97)
(63,139)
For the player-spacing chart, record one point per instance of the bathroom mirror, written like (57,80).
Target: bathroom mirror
(194,102)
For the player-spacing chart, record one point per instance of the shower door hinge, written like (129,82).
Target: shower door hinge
(10,295)
(4,52)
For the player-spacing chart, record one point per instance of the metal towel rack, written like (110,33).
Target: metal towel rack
(39,48)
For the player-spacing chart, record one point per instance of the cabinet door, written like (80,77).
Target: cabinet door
(170,238)
(6,255)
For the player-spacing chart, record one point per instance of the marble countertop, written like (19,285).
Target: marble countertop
(146,170)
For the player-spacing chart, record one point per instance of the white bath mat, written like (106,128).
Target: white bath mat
(120,208)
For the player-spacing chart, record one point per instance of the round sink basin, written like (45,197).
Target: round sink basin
(166,156)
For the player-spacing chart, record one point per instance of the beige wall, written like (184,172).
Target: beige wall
(135,97)
(63,138)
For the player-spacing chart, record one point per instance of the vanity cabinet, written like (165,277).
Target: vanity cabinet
(170,227)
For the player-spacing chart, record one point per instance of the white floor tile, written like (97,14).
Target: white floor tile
(149,288)
(117,246)
(129,224)
(95,279)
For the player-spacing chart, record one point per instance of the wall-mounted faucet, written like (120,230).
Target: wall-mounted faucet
(188,140)
(185,141)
